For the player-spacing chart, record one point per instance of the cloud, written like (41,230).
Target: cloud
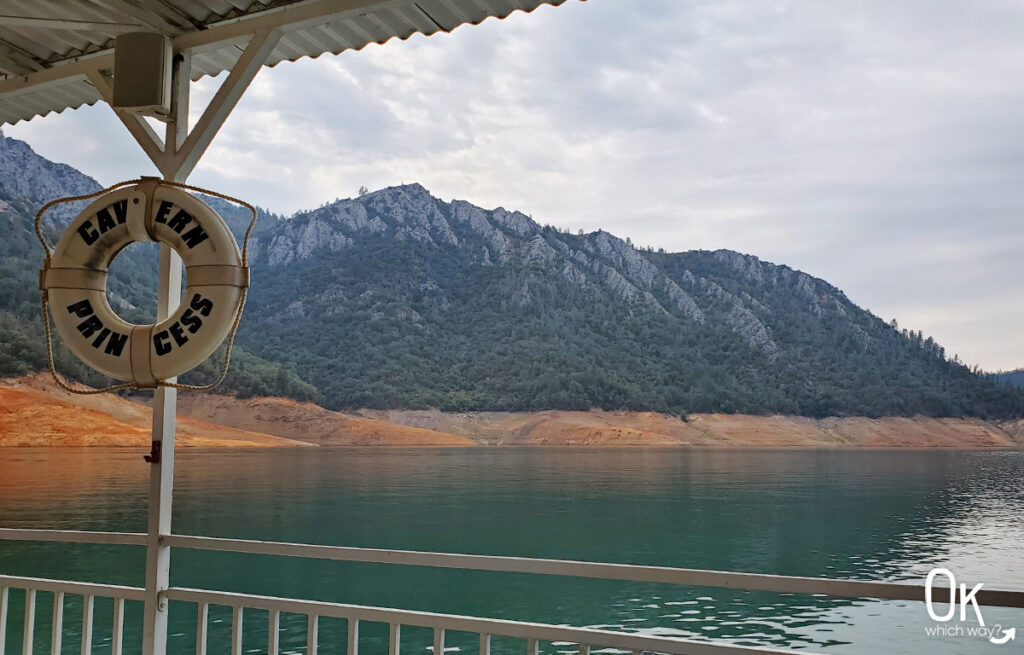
(877,145)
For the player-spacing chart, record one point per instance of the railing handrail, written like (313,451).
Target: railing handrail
(74,536)
(582,569)
(455,622)
(540,566)
(82,588)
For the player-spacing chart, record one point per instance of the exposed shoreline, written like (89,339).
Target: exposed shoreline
(35,413)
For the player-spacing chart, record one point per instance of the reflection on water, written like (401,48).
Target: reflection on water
(869,515)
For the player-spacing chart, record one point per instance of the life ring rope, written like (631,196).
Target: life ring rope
(97,281)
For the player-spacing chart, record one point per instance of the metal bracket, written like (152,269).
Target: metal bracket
(154,452)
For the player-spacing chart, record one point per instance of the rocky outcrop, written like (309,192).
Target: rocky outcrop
(537,251)
(682,301)
(744,323)
(746,265)
(739,316)
(315,235)
(28,176)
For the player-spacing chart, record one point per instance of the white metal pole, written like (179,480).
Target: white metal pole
(161,476)
(165,406)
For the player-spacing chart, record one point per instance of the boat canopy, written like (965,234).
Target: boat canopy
(50,49)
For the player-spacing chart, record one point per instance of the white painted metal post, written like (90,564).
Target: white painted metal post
(274,633)
(201,621)
(57,623)
(28,633)
(395,639)
(438,641)
(161,476)
(353,637)
(312,636)
(88,608)
(237,621)
(4,601)
(165,407)
(117,638)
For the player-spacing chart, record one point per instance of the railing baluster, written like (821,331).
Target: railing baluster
(236,631)
(312,628)
(4,596)
(274,628)
(394,639)
(117,637)
(584,649)
(485,644)
(438,641)
(57,624)
(353,637)
(88,602)
(201,621)
(532,647)
(30,622)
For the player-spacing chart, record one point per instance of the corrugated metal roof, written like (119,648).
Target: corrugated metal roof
(39,38)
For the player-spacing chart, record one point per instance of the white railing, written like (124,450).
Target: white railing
(532,633)
(60,588)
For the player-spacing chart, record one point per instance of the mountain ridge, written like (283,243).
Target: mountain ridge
(544,276)
(336,226)
(397,299)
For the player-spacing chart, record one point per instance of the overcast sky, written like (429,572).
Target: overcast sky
(878,145)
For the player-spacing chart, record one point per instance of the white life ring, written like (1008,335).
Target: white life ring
(75,283)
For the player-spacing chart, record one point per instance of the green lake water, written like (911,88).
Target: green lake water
(854,514)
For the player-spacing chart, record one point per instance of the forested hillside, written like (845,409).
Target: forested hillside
(1010,378)
(398,299)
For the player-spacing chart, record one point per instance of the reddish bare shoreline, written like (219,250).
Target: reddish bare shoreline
(35,413)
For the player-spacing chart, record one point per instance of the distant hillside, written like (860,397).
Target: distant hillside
(1010,378)
(397,299)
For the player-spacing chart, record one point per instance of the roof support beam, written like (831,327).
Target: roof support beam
(168,11)
(13,64)
(148,16)
(289,17)
(146,137)
(60,24)
(25,62)
(78,67)
(177,127)
(187,155)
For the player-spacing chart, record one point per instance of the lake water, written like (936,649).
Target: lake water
(858,514)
